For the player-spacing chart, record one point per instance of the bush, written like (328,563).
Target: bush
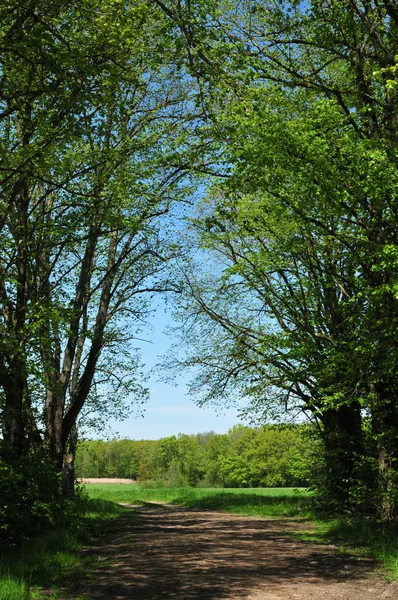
(29,496)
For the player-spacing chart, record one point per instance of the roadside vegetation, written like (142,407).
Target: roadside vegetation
(52,561)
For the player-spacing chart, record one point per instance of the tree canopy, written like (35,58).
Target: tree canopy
(99,120)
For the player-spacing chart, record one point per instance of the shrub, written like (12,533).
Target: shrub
(30,498)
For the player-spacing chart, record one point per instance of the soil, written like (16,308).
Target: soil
(105,480)
(178,554)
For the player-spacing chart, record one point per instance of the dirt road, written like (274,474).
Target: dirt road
(182,555)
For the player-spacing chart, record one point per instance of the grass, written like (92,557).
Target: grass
(51,561)
(262,502)
(362,537)
(359,536)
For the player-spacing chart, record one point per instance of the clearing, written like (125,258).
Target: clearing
(180,554)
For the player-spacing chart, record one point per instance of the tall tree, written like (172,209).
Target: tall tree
(314,132)
(97,115)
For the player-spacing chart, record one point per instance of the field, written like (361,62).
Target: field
(262,502)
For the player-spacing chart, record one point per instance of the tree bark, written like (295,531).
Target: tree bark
(68,468)
(385,430)
(343,440)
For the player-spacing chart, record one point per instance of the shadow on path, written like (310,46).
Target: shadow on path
(173,553)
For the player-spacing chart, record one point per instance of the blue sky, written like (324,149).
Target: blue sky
(170,410)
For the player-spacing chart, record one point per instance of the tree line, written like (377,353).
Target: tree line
(272,456)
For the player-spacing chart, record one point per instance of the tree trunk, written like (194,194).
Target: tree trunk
(15,393)
(385,430)
(68,469)
(343,446)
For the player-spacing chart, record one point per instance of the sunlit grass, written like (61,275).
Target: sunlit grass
(262,502)
(362,536)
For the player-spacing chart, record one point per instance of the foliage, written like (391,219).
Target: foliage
(51,560)
(87,178)
(29,501)
(108,111)
(245,457)
(98,126)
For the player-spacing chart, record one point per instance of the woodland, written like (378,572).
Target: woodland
(245,457)
(238,158)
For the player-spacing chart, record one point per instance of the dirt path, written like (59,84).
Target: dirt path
(182,555)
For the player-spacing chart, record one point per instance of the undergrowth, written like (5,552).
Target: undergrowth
(51,561)
(359,536)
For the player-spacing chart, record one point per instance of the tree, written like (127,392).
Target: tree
(216,449)
(191,466)
(310,119)
(272,329)
(96,118)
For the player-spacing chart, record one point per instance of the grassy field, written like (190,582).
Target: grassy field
(262,502)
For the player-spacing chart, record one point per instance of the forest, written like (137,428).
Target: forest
(238,160)
(244,457)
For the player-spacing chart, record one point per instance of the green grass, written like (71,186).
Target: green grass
(51,561)
(360,536)
(262,502)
